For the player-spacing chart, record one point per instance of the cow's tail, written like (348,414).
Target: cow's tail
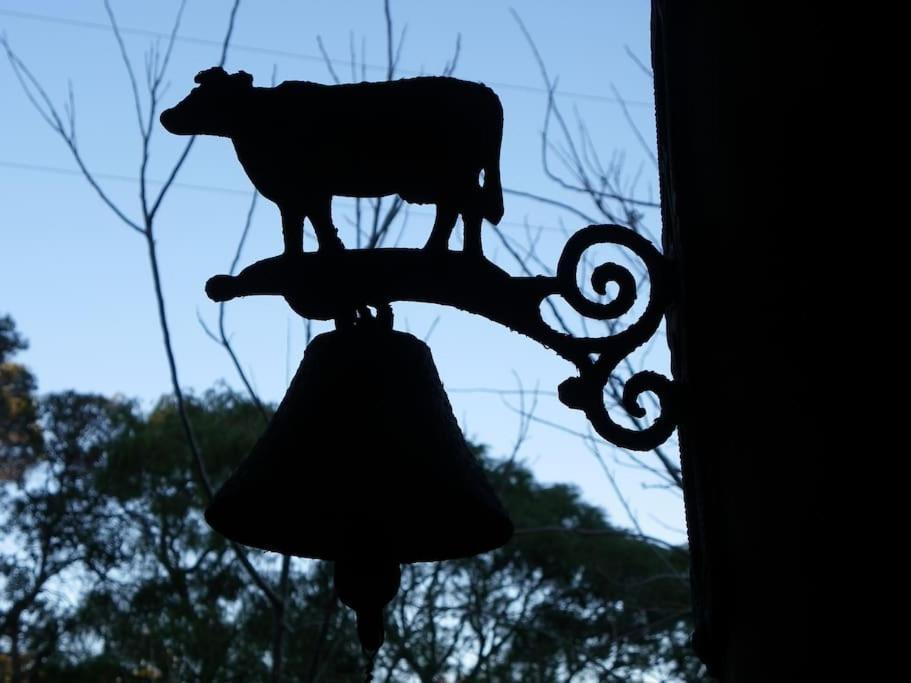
(492,191)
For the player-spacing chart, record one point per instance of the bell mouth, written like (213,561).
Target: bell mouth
(363,456)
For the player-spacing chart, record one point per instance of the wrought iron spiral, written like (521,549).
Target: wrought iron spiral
(586,392)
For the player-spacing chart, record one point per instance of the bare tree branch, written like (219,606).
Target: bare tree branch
(48,112)
(326,60)
(552,202)
(632,124)
(574,162)
(398,48)
(525,415)
(390,59)
(450,66)
(137,102)
(186,150)
(578,531)
(638,62)
(222,338)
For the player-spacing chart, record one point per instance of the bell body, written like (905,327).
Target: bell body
(363,459)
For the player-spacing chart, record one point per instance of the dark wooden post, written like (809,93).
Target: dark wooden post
(736,95)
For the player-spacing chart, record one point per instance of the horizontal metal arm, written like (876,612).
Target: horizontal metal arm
(326,285)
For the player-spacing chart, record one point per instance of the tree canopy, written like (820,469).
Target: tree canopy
(20,437)
(108,571)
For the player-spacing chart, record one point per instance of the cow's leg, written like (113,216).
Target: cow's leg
(472,234)
(293,231)
(326,233)
(472,209)
(442,228)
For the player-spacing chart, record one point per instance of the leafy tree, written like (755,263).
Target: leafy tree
(110,573)
(20,437)
(553,605)
(52,516)
(172,602)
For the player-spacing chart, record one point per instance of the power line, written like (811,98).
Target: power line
(57,170)
(81,23)
(499,392)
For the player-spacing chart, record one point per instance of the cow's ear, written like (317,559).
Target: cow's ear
(213,75)
(243,78)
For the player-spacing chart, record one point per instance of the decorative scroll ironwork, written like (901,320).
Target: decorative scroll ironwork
(326,285)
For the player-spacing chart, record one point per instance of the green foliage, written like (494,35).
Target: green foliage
(109,572)
(53,515)
(10,340)
(20,437)
(184,599)
(552,605)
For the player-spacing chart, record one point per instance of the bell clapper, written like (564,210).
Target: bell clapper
(366,585)
(370,630)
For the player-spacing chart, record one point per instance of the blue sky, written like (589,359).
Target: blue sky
(77,281)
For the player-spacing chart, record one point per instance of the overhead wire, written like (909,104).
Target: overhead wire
(58,170)
(289,54)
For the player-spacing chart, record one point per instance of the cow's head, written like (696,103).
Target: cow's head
(212,107)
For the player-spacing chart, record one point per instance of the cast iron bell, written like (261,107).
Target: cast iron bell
(363,463)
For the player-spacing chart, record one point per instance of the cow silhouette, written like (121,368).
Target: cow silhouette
(426,139)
